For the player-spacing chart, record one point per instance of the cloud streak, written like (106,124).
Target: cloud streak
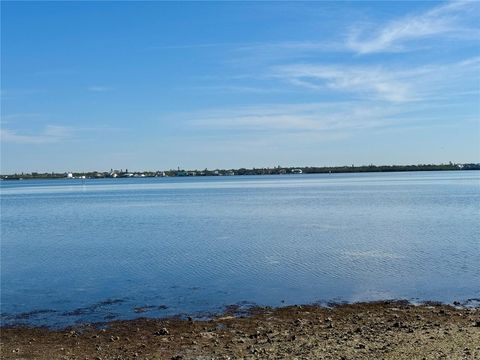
(374,82)
(316,117)
(381,82)
(49,135)
(444,20)
(453,21)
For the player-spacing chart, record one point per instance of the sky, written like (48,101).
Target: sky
(157,85)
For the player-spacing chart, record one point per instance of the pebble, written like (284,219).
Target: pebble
(163,331)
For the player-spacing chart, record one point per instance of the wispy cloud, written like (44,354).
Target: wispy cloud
(239,89)
(50,134)
(20,117)
(190,46)
(318,117)
(373,82)
(98,88)
(288,47)
(258,54)
(54,72)
(382,82)
(455,20)
(446,20)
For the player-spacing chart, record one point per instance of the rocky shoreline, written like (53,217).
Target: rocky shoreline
(378,330)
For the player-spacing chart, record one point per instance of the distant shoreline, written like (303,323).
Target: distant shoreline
(241,171)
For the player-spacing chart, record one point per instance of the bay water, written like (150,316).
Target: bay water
(76,251)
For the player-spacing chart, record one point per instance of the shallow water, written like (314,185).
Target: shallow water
(96,250)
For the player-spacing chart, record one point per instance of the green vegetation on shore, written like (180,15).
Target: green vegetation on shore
(279,170)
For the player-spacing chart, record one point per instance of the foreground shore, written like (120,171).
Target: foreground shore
(383,330)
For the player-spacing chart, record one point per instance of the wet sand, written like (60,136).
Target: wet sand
(382,330)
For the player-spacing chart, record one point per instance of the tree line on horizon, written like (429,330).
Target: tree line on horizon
(244,171)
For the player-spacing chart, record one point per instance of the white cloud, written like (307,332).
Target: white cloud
(385,83)
(362,80)
(50,134)
(453,20)
(443,20)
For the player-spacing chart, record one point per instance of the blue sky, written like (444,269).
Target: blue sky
(100,85)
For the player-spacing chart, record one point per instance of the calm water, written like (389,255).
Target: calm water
(94,251)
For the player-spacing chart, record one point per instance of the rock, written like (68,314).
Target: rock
(207,335)
(163,331)
(255,335)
